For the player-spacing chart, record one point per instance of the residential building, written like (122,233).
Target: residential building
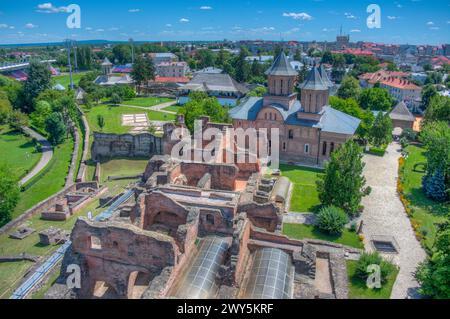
(159,58)
(172,69)
(370,79)
(310,129)
(402,89)
(221,86)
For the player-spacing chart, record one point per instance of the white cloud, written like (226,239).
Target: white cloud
(134,10)
(430,23)
(297,16)
(434,28)
(205,8)
(88,29)
(50,8)
(355,30)
(30,26)
(168,25)
(392,17)
(99,30)
(349,15)
(3,26)
(184,20)
(113,29)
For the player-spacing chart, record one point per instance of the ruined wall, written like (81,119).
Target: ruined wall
(223,176)
(126,145)
(262,215)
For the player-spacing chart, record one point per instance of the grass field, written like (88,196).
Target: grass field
(113,117)
(147,101)
(49,181)
(122,167)
(173,108)
(358,288)
(64,80)
(296,231)
(18,152)
(426,212)
(304,196)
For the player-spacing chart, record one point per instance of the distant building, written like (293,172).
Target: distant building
(402,90)
(260,58)
(110,79)
(221,86)
(210,70)
(342,42)
(159,58)
(370,79)
(172,69)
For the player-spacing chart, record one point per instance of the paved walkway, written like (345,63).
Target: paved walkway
(299,218)
(384,215)
(47,154)
(158,107)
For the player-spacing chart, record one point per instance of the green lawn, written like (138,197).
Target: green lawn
(304,196)
(64,80)
(50,181)
(296,231)
(123,167)
(358,289)
(173,108)
(147,101)
(18,152)
(425,211)
(113,117)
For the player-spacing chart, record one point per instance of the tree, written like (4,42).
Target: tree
(332,220)
(17,120)
(42,110)
(5,111)
(351,107)
(101,121)
(381,131)
(116,99)
(302,74)
(438,109)
(55,128)
(122,53)
(143,71)
(349,88)
(39,80)
(259,91)
(327,57)
(343,183)
(429,91)
(367,259)
(242,68)
(433,78)
(9,193)
(436,138)
(338,70)
(434,274)
(376,99)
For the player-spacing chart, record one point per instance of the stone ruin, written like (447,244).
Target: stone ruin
(53,236)
(72,201)
(22,233)
(200,230)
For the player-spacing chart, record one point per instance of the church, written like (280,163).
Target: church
(310,129)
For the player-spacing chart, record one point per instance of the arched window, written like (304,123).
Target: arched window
(306,148)
(291,134)
(324,148)
(331,148)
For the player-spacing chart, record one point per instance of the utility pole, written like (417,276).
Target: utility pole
(69,45)
(132,50)
(75,49)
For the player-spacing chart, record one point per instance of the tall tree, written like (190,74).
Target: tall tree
(56,128)
(438,109)
(376,99)
(9,194)
(242,68)
(428,92)
(381,131)
(143,71)
(39,79)
(343,184)
(349,88)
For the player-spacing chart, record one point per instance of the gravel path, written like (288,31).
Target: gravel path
(158,107)
(47,154)
(384,215)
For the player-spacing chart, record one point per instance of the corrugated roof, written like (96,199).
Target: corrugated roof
(282,67)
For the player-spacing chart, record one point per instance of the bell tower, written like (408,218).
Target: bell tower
(314,96)
(281,78)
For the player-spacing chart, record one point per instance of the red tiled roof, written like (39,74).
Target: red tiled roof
(355,52)
(440,60)
(161,79)
(382,75)
(400,83)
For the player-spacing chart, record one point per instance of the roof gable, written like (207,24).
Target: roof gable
(281,67)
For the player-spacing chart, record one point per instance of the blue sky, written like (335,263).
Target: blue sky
(403,21)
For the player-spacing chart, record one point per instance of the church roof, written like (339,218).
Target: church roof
(331,120)
(401,112)
(106,62)
(314,81)
(323,74)
(281,66)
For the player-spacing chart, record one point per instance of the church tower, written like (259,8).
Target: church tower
(106,67)
(281,79)
(314,96)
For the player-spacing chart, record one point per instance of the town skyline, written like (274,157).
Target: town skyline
(319,20)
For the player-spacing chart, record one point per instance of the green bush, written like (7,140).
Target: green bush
(332,220)
(366,260)
(377,151)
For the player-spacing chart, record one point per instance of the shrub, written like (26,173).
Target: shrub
(409,134)
(332,220)
(116,99)
(374,258)
(377,151)
(434,186)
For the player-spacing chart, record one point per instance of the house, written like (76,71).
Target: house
(401,117)
(402,89)
(172,69)
(159,58)
(310,129)
(221,86)
(368,80)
